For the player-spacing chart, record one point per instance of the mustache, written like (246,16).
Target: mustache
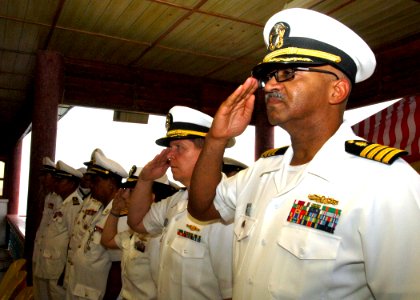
(273,94)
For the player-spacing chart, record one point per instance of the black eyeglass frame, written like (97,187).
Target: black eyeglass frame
(291,74)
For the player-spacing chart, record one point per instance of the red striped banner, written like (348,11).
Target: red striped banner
(397,126)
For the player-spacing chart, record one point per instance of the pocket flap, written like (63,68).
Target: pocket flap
(86,292)
(309,244)
(188,248)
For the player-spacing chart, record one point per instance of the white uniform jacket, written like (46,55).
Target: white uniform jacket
(195,257)
(91,261)
(42,246)
(57,236)
(348,229)
(137,250)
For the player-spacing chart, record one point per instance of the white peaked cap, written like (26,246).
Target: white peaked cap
(82,170)
(305,37)
(233,162)
(92,156)
(186,123)
(64,170)
(104,166)
(47,165)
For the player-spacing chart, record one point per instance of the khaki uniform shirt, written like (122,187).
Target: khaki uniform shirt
(91,262)
(137,264)
(43,255)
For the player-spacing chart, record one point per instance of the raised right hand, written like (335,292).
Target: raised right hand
(155,168)
(234,114)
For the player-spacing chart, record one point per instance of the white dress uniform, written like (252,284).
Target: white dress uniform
(138,252)
(59,232)
(347,228)
(195,257)
(91,262)
(42,254)
(57,237)
(65,217)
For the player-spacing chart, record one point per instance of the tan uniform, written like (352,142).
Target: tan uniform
(139,263)
(90,262)
(44,256)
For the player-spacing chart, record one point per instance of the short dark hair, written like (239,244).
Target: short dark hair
(198,142)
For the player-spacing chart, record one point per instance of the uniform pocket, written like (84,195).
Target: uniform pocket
(303,262)
(53,263)
(308,243)
(86,292)
(190,260)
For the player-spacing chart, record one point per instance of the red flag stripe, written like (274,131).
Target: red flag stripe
(397,126)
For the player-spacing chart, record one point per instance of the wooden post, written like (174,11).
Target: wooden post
(14,173)
(49,85)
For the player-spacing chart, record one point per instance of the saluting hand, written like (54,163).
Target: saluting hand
(119,202)
(157,167)
(234,114)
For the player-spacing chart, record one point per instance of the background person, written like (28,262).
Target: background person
(65,218)
(316,220)
(53,250)
(232,166)
(51,202)
(140,252)
(195,257)
(85,182)
(91,264)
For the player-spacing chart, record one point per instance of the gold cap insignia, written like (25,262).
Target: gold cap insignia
(169,121)
(132,170)
(277,34)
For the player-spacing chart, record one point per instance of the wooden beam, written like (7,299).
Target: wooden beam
(114,87)
(101,85)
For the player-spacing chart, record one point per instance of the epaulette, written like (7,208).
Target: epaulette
(274,152)
(378,152)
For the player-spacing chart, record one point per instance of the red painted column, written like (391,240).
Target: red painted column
(264,132)
(49,85)
(14,175)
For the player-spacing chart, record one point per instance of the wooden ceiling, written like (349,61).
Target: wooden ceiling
(178,42)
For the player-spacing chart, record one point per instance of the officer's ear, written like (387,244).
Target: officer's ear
(340,90)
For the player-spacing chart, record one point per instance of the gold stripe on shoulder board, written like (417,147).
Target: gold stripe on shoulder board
(274,152)
(373,151)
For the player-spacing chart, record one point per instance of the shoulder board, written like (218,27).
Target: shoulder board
(378,152)
(124,212)
(274,152)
